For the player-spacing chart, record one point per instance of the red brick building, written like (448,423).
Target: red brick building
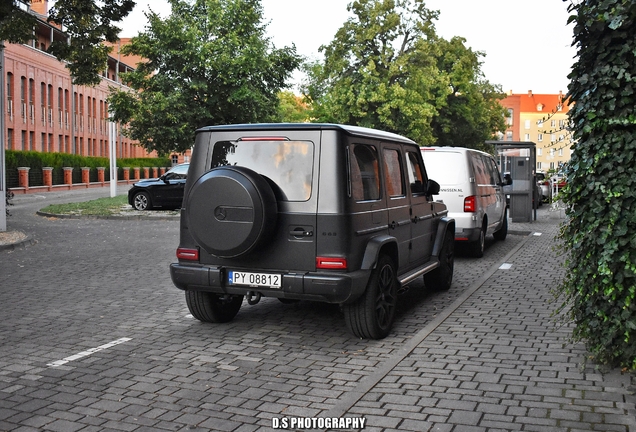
(46,112)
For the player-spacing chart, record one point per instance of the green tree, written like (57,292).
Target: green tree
(472,113)
(380,70)
(292,108)
(16,25)
(387,68)
(88,23)
(208,63)
(599,236)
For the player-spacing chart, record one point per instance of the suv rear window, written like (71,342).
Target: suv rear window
(286,164)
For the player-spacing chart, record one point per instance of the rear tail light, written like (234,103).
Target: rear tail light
(470,204)
(188,254)
(329,263)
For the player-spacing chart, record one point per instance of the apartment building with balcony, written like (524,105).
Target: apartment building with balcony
(46,112)
(542,119)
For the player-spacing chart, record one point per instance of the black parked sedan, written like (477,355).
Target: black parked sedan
(163,192)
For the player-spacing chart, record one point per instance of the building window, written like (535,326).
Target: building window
(539,152)
(526,137)
(508,135)
(540,123)
(552,123)
(527,124)
(552,137)
(540,107)
(540,137)
(175,159)
(510,117)
(10,94)
(538,165)
(10,139)
(560,152)
(23,97)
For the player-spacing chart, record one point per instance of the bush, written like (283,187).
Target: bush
(599,237)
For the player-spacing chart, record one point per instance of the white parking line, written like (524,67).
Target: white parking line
(505,266)
(537,234)
(88,352)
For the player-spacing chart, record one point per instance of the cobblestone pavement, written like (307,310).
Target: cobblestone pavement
(94,337)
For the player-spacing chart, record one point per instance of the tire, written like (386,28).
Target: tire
(372,315)
(141,201)
(503,231)
(442,277)
(209,307)
(230,211)
(476,248)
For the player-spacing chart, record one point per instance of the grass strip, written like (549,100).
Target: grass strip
(99,207)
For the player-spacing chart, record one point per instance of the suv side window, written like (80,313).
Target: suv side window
(415,174)
(365,182)
(393,173)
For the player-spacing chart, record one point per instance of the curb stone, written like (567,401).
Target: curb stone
(110,217)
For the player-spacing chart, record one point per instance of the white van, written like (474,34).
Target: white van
(472,189)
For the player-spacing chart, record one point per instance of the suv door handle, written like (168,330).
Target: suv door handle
(393,225)
(300,232)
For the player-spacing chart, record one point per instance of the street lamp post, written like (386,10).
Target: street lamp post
(3,131)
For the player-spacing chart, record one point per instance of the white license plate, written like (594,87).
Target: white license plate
(267,280)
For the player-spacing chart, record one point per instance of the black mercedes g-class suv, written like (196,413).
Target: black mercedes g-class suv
(319,212)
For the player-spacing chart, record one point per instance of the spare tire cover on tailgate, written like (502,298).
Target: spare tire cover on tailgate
(231,210)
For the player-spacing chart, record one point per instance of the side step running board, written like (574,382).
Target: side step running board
(414,274)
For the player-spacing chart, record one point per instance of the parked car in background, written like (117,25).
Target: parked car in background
(558,182)
(472,189)
(320,212)
(165,192)
(545,187)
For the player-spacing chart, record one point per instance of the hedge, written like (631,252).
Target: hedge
(37,160)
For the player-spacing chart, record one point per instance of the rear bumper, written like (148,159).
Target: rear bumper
(314,286)
(467,234)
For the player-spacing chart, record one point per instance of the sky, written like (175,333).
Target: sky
(527,43)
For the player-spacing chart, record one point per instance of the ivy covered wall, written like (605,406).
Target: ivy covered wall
(600,234)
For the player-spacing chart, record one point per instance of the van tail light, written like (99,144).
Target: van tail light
(188,254)
(330,263)
(470,204)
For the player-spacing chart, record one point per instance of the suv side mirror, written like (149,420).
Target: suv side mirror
(432,188)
